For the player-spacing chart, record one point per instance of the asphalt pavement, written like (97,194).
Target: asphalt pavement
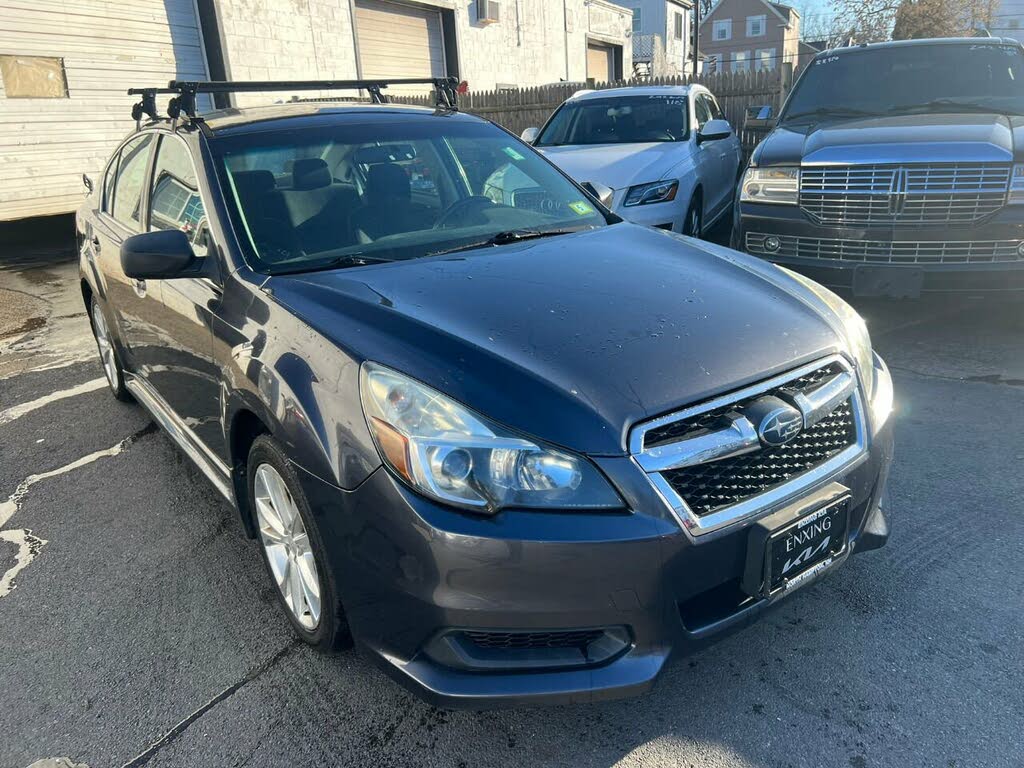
(137,626)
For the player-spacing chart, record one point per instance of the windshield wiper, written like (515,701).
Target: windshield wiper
(507,238)
(831,112)
(940,105)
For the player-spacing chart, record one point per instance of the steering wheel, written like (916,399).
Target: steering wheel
(463,207)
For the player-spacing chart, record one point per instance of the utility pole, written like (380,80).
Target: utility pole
(696,36)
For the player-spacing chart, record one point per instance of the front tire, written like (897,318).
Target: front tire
(693,225)
(109,359)
(293,551)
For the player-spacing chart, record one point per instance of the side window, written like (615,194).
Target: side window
(131,173)
(108,185)
(701,110)
(174,201)
(716,111)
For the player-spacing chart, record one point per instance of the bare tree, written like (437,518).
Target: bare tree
(869,21)
(866,21)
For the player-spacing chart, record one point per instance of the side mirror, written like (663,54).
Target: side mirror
(161,255)
(714,130)
(530,135)
(759,118)
(600,191)
(87,182)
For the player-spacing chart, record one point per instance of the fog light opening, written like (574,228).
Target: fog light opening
(772,244)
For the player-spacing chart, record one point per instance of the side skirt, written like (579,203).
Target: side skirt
(215,470)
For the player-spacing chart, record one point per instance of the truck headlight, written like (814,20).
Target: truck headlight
(1017,185)
(445,451)
(779,185)
(655,192)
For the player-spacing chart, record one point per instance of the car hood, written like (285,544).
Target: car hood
(617,165)
(897,139)
(576,338)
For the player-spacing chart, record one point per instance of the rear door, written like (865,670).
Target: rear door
(186,377)
(132,305)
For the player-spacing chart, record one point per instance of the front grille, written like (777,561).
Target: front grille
(869,195)
(888,252)
(707,488)
(677,430)
(580,639)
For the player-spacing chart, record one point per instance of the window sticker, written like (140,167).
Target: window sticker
(513,154)
(581,208)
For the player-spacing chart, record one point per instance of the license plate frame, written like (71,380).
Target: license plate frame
(888,282)
(815,547)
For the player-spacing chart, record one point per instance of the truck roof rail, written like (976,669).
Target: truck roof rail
(446,90)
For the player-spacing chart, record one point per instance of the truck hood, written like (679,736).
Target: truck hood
(897,139)
(576,338)
(617,165)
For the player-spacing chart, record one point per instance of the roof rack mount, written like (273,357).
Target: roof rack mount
(446,90)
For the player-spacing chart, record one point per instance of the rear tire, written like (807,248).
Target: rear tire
(293,550)
(109,359)
(693,225)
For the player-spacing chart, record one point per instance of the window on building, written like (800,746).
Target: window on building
(722,30)
(174,201)
(131,175)
(756,25)
(678,26)
(638,21)
(711,63)
(764,59)
(741,61)
(33,77)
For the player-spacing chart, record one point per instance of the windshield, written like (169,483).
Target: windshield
(618,120)
(908,79)
(353,194)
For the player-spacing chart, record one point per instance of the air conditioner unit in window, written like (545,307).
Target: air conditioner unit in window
(488,11)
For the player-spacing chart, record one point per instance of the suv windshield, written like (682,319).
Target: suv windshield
(366,192)
(618,120)
(911,79)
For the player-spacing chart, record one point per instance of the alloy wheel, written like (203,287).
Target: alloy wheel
(693,222)
(105,345)
(287,547)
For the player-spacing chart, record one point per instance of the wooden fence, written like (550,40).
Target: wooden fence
(519,109)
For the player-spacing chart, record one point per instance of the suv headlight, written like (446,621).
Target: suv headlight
(445,451)
(655,192)
(874,374)
(779,185)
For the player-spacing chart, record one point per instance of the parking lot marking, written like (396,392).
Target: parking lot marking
(28,547)
(17,411)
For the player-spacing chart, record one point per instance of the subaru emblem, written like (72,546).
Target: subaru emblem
(776,421)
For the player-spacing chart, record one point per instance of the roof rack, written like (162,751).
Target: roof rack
(446,90)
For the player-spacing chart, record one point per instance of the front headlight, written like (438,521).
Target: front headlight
(655,192)
(447,452)
(873,373)
(779,185)
(1017,185)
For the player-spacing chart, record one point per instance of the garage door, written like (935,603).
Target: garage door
(398,41)
(600,62)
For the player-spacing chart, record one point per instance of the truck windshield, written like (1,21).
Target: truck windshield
(365,192)
(618,120)
(982,77)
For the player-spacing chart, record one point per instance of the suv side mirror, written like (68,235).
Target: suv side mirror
(714,130)
(530,135)
(161,255)
(87,182)
(600,191)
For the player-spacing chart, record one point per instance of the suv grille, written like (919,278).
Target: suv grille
(710,487)
(889,252)
(903,195)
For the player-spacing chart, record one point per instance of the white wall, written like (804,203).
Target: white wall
(288,39)
(47,144)
(1008,20)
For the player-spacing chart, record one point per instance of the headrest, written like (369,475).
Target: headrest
(310,173)
(388,180)
(251,183)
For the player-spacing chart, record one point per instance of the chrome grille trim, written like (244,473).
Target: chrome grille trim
(653,461)
(888,252)
(903,194)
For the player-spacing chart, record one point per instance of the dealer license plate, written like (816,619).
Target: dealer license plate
(807,545)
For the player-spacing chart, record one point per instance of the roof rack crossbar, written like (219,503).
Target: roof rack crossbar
(185,91)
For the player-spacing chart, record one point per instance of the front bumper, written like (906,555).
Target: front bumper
(409,570)
(981,257)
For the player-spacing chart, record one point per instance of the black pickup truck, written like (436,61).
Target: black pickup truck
(894,169)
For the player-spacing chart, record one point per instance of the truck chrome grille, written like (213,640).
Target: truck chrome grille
(888,252)
(903,195)
(714,469)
